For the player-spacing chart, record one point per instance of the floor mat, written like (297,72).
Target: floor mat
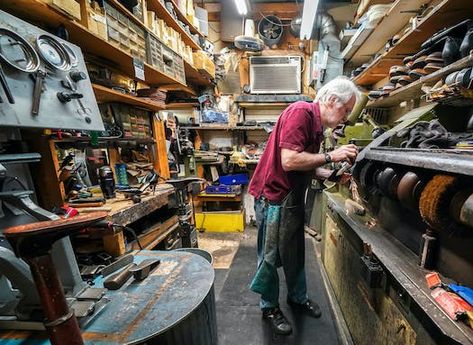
(239,317)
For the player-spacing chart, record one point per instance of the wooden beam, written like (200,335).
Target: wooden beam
(161,164)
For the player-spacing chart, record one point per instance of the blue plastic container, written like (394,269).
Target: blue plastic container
(234,179)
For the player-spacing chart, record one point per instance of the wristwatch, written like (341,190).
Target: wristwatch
(328,158)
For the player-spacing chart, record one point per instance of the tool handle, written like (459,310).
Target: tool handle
(6,88)
(38,89)
(117,280)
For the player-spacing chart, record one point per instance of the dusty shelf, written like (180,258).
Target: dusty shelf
(104,95)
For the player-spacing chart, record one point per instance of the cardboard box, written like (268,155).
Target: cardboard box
(71,7)
(97,23)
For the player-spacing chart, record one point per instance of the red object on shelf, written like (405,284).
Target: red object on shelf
(433,280)
(451,303)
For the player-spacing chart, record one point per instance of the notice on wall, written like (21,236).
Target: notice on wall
(139,67)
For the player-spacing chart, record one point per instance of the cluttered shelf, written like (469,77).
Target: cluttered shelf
(392,22)
(224,128)
(413,90)
(446,13)
(104,94)
(447,160)
(197,77)
(112,140)
(90,42)
(163,13)
(402,264)
(183,18)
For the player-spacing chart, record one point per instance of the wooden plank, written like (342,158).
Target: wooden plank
(446,13)
(161,237)
(161,164)
(413,90)
(37,11)
(394,21)
(195,77)
(177,87)
(162,12)
(49,191)
(124,211)
(181,105)
(155,232)
(104,94)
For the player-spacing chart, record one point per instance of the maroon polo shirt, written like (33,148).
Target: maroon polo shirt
(298,128)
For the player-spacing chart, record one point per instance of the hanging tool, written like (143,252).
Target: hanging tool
(38,77)
(6,88)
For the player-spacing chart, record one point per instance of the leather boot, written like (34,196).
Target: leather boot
(451,50)
(467,44)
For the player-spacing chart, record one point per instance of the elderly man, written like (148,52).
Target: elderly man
(278,185)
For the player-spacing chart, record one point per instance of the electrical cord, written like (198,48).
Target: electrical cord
(132,232)
(270,21)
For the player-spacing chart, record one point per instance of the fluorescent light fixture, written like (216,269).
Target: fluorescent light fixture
(242,7)
(309,13)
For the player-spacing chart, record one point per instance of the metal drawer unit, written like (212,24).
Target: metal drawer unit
(165,59)
(125,34)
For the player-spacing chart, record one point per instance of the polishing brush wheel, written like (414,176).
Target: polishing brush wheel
(434,204)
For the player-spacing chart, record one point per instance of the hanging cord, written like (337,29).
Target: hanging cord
(270,21)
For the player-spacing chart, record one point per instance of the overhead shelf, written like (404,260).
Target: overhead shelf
(446,13)
(162,12)
(181,105)
(104,94)
(225,128)
(182,17)
(38,11)
(393,22)
(413,90)
(197,77)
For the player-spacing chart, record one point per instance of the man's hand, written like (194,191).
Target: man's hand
(344,153)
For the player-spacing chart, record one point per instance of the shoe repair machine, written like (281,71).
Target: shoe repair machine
(45,85)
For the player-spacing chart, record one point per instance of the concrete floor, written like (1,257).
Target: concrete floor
(238,315)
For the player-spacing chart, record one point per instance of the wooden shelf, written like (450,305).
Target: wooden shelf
(89,42)
(75,140)
(181,105)
(162,12)
(367,5)
(413,90)
(225,128)
(446,13)
(104,95)
(393,22)
(194,76)
(182,17)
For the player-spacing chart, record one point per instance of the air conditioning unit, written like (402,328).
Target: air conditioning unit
(275,74)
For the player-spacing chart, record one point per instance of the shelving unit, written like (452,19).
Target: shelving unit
(446,13)
(38,11)
(186,21)
(162,12)
(393,22)
(413,90)
(225,128)
(104,94)
(196,77)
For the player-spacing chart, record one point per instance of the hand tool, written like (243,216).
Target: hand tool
(144,268)
(115,266)
(117,280)
(39,77)
(6,88)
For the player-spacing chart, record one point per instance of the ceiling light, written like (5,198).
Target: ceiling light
(309,14)
(242,7)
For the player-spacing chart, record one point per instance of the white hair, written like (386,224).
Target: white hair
(341,87)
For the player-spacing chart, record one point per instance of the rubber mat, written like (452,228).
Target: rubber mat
(239,317)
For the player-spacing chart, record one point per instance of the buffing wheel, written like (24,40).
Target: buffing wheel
(434,204)
(406,190)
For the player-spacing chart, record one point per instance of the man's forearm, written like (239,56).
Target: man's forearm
(302,161)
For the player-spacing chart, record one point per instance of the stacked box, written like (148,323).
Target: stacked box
(96,21)
(203,61)
(165,59)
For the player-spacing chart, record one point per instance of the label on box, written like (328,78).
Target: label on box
(139,67)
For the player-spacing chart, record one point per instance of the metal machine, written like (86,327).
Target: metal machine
(408,213)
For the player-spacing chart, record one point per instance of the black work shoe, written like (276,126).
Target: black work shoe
(279,323)
(309,308)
